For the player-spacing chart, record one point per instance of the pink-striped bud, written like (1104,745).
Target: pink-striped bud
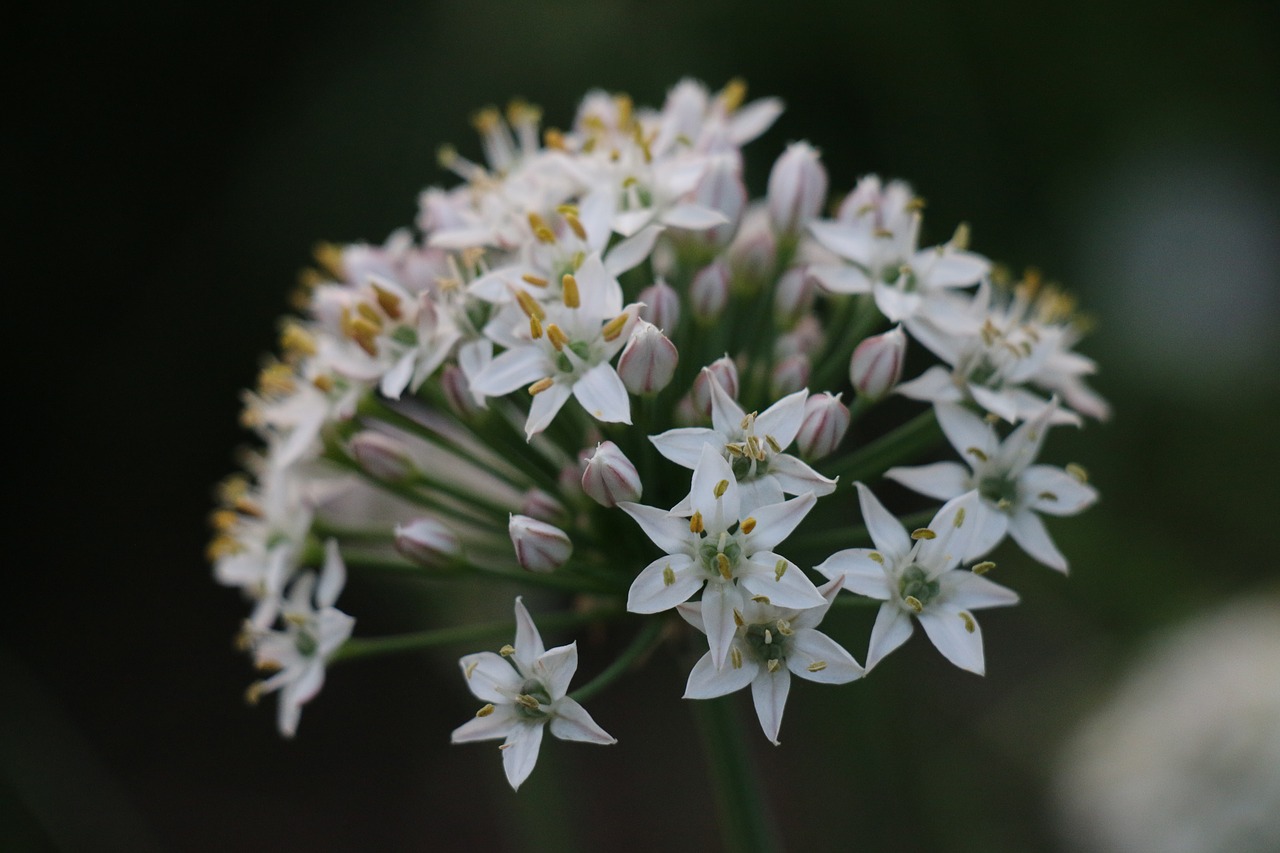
(797,188)
(648,361)
(457,391)
(794,294)
(721,189)
(609,477)
(427,542)
(709,292)
(540,547)
(789,375)
(826,420)
(725,372)
(661,305)
(381,455)
(536,503)
(876,365)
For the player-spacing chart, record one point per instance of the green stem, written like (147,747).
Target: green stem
(642,643)
(902,445)
(563,579)
(851,332)
(745,824)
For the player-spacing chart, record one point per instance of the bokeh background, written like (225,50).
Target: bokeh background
(170,165)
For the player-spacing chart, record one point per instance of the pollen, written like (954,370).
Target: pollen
(976,453)
(737,618)
(388,302)
(297,341)
(923,533)
(817,666)
(748,525)
(471,669)
(535,328)
(485,711)
(761,599)
(969,624)
(329,258)
(914,603)
(1076,471)
(535,280)
(733,94)
(784,627)
(983,567)
(773,444)
(960,239)
(695,523)
(722,565)
(323,383)
(557,337)
(779,569)
(960,517)
(540,229)
(530,305)
(569,291)
(507,651)
(1047,496)
(541,385)
(668,576)
(875,555)
(735,657)
(721,488)
(528,701)
(614,327)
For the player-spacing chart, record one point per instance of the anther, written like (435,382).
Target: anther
(748,525)
(485,711)
(735,657)
(507,651)
(737,618)
(722,565)
(923,533)
(976,453)
(969,624)
(668,576)
(535,280)
(528,701)
(541,385)
(471,668)
(388,302)
(959,517)
(914,603)
(721,488)
(530,305)
(569,291)
(733,94)
(774,664)
(695,523)
(779,569)
(817,666)
(557,337)
(875,555)
(784,627)
(983,567)
(614,327)
(1047,496)
(773,444)
(1078,473)
(323,382)
(761,599)
(540,229)
(535,328)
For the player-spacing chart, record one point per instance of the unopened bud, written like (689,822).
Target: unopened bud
(538,504)
(826,420)
(648,361)
(609,477)
(790,375)
(709,292)
(427,541)
(793,296)
(685,414)
(797,188)
(806,338)
(876,365)
(382,456)
(661,305)
(722,190)
(457,391)
(754,251)
(540,547)
(725,372)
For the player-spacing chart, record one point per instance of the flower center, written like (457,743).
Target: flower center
(1000,489)
(532,700)
(767,642)
(915,584)
(579,348)
(305,643)
(720,556)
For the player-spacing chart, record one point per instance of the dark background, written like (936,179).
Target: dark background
(168,168)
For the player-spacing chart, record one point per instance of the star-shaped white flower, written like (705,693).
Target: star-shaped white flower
(524,688)
(1011,488)
(752,444)
(720,547)
(916,575)
(770,644)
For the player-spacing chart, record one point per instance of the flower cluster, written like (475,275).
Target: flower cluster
(594,366)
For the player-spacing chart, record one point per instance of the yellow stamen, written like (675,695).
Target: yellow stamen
(733,94)
(540,229)
(768,637)
(222,520)
(553,138)
(485,711)
(366,312)
(760,599)
(773,444)
(976,453)
(983,567)
(486,120)
(614,327)
(557,337)
(323,382)
(1047,496)
(507,651)
(914,603)
(527,701)
(960,517)
(569,291)
(722,565)
(817,666)
(668,576)
(960,240)
(329,258)
(875,555)
(471,669)
(721,488)
(923,533)
(748,525)
(297,341)
(737,618)
(535,280)
(969,624)
(784,627)
(695,523)
(1076,471)
(735,657)
(388,302)
(529,305)
(774,664)
(535,328)
(541,385)
(779,569)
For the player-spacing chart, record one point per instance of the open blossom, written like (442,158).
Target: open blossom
(1012,489)
(770,644)
(524,690)
(720,547)
(916,575)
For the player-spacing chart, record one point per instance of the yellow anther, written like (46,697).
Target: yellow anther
(668,576)
(1047,496)
(485,711)
(486,120)
(507,651)
(959,517)
(983,567)
(622,102)
(768,637)
(246,505)
(914,603)
(535,280)
(553,138)
(575,262)
(222,546)
(388,302)
(883,233)
(773,444)
(735,449)
(222,520)
(737,618)
(779,569)
(748,525)
(695,523)
(297,341)
(748,420)
(923,533)
(323,382)
(960,240)
(253,693)
(735,657)
(447,156)
(569,291)
(774,665)
(540,229)
(784,627)
(365,335)
(471,668)
(722,565)
(471,258)
(268,666)
(277,380)
(329,259)
(575,224)
(721,488)
(535,328)
(969,624)
(916,203)
(541,385)
(875,555)
(366,312)
(614,327)
(557,337)
(638,135)
(733,94)
(754,450)
(529,305)
(817,666)
(1076,471)
(761,599)
(976,453)
(528,701)
(1004,503)
(630,181)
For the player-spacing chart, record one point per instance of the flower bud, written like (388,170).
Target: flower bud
(538,504)
(539,546)
(648,361)
(754,251)
(806,338)
(721,189)
(685,414)
(609,477)
(826,420)
(797,188)
(876,365)
(457,391)
(709,292)
(789,375)
(428,542)
(725,372)
(381,455)
(661,305)
(793,296)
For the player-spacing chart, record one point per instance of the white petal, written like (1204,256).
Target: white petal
(814,656)
(520,752)
(726,414)
(628,222)
(760,491)
(841,279)
(555,669)
(632,251)
(572,722)
(963,590)
(683,446)
(932,386)
(1023,445)
(796,477)
(967,432)
(999,403)
(528,642)
(333,577)
(718,603)
(897,305)
(791,588)
(989,528)
(514,369)
(602,394)
(953,268)
(708,682)
(847,241)
(1054,491)
(718,513)
(950,632)
(669,532)
(892,628)
(953,527)
(1027,530)
(394,380)
(599,291)
(297,693)
(782,420)
(769,690)
(775,522)
(862,575)
(886,531)
(692,216)
(490,678)
(496,724)
(545,406)
(753,119)
(941,480)
(650,592)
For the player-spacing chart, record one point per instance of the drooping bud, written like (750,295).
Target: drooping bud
(381,455)
(457,391)
(661,305)
(721,189)
(648,361)
(538,504)
(540,547)
(725,372)
(797,188)
(428,542)
(790,375)
(709,292)
(876,365)
(826,420)
(609,477)
(793,296)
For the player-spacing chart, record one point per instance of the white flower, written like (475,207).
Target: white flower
(1011,488)
(720,547)
(919,578)
(524,689)
(770,644)
(313,631)
(754,446)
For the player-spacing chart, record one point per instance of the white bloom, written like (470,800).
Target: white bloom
(1011,488)
(524,689)
(770,644)
(721,547)
(919,578)
(753,444)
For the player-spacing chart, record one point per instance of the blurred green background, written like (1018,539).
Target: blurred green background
(171,166)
